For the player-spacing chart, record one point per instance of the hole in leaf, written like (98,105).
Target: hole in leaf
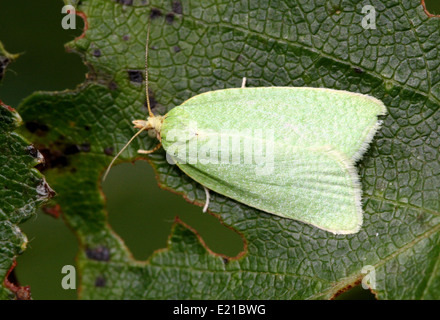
(51,246)
(142,214)
(36,34)
(356,293)
(432,6)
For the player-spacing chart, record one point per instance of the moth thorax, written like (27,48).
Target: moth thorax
(155,122)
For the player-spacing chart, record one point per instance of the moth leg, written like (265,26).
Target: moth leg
(243,83)
(150,151)
(205,208)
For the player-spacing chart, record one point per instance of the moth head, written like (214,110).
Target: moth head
(152,123)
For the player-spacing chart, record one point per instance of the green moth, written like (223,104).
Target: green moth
(286,151)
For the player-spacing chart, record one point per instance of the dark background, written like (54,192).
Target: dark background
(33,29)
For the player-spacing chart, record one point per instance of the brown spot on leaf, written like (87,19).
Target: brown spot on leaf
(85,147)
(53,159)
(38,128)
(71,149)
(112,85)
(177,7)
(109,151)
(169,18)
(97,53)
(155,13)
(125,2)
(135,76)
(100,282)
(100,253)
(56,155)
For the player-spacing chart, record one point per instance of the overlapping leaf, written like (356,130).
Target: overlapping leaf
(22,189)
(197,46)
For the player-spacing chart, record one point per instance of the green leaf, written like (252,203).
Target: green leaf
(22,190)
(198,46)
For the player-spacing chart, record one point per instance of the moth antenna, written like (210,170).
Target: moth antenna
(150,113)
(119,153)
(147,96)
